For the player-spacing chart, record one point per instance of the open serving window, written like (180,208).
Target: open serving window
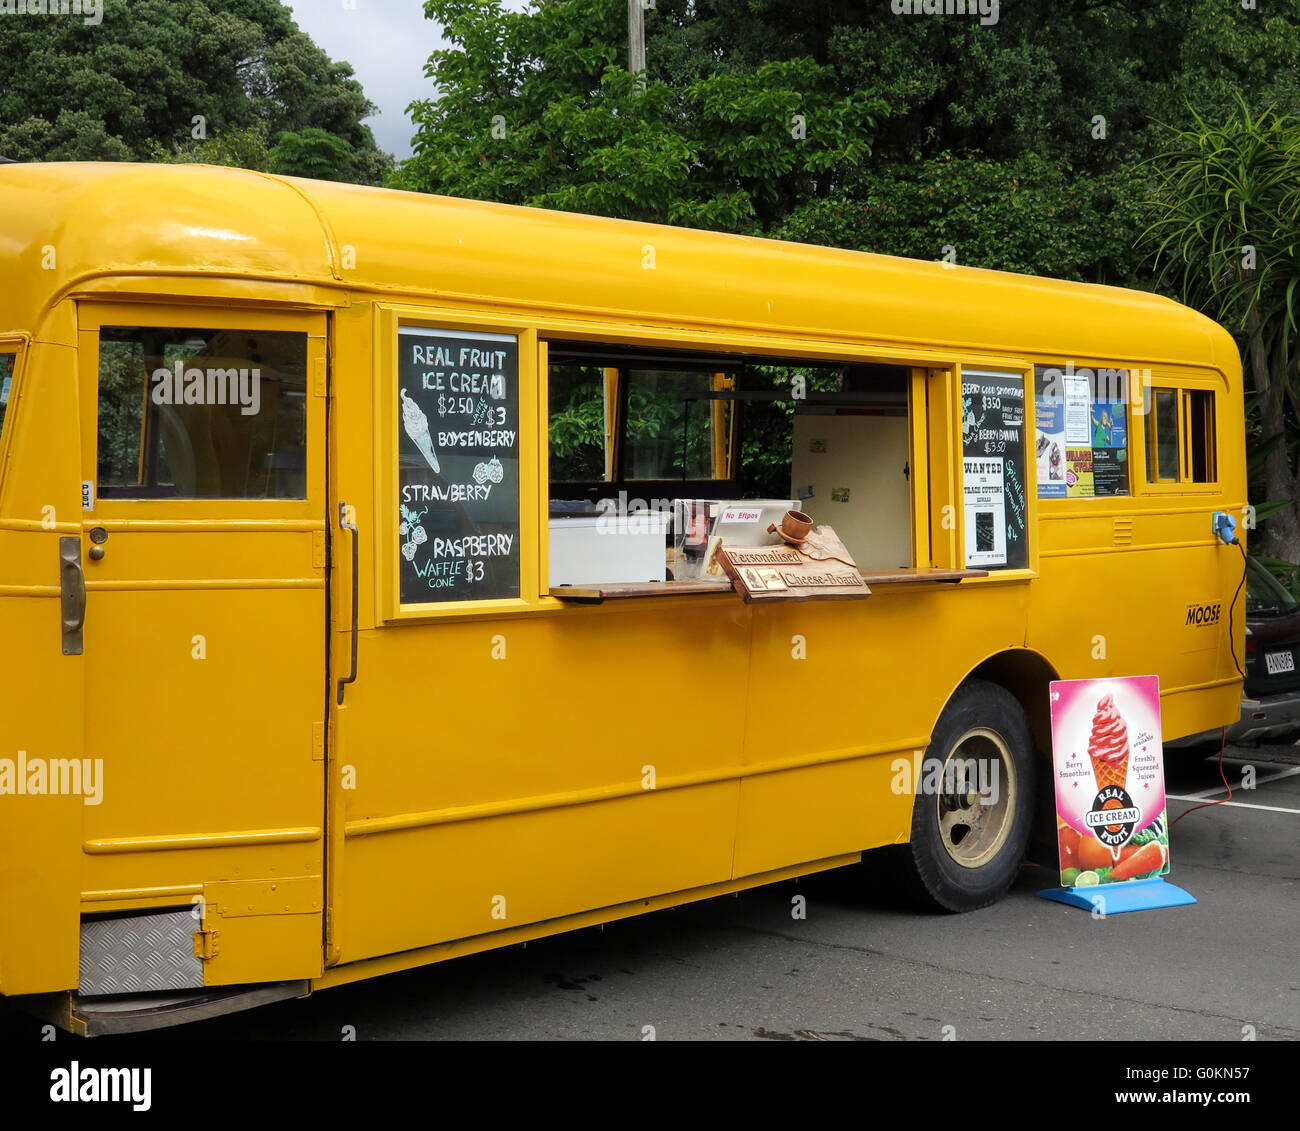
(658,457)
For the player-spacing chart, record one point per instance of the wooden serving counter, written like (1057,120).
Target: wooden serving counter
(594,594)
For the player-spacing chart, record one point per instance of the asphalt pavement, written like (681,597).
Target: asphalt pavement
(862,967)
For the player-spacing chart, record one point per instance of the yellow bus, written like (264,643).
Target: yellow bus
(358,571)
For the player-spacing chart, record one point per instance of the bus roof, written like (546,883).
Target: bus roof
(66,224)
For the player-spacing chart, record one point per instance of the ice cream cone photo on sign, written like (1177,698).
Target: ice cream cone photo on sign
(1108,765)
(1108,745)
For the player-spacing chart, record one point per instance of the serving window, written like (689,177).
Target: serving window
(657,458)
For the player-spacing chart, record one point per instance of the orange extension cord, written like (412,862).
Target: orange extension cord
(1223,741)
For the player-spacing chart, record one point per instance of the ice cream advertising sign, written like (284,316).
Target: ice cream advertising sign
(1108,765)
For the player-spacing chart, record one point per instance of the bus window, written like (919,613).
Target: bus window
(1162,437)
(1180,437)
(1081,431)
(1198,413)
(202,414)
(6,383)
(669,429)
(580,419)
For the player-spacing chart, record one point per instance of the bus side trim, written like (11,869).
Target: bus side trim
(1225,682)
(207,583)
(170,843)
(110,894)
(1089,551)
(403,821)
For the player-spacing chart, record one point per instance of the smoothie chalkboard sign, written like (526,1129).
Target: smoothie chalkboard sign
(457,465)
(993,470)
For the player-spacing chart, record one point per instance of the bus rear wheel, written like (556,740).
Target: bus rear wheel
(973,805)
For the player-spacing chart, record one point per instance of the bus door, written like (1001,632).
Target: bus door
(203,552)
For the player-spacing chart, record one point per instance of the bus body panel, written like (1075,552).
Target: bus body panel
(491,773)
(876,678)
(547,756)
(42,696)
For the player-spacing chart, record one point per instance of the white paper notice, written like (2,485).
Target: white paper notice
(983,488)
(1078,412)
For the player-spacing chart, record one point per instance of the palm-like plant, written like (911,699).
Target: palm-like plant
(1227,238)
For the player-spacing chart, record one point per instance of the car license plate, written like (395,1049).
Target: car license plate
(1278,662)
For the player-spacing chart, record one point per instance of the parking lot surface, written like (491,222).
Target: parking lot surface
(861,966)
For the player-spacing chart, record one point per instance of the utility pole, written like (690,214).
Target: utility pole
(636,36)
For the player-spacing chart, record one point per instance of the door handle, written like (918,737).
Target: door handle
(346,524)
(72,594)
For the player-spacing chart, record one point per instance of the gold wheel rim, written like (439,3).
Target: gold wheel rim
(975,801)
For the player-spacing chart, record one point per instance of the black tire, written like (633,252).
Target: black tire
(967,844)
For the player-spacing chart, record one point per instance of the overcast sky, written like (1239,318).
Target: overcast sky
(388,43)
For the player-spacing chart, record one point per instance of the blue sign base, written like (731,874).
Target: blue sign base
(1111,899)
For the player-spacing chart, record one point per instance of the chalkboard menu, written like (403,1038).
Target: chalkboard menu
(993,470)
(458,465)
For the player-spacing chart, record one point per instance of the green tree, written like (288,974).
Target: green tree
(1024,146)
(917,132)
(313,153)
(538,108)
(244,148)
(204,79)
(1228,240)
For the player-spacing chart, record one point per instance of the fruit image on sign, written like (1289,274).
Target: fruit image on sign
(1108,766)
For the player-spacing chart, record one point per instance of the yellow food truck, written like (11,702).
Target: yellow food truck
(359,587)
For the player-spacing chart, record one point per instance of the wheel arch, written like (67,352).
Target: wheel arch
(1026,674)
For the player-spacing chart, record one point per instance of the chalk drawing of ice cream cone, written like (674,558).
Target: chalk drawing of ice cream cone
(417,427)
